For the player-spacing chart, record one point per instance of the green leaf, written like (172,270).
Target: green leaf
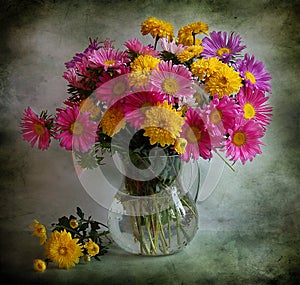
(80,213)
(83,227)
(63,221)
(95,226)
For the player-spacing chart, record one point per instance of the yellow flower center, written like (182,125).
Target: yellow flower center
(193,134)
(170,86)
(119,87)
(250,76)
(39,129)
(109,62)
(216,116)
(249,111)
(223,50)
(76,129)
(239,138)
(62,250)
(223,80)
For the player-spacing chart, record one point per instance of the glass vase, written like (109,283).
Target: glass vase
(153,213)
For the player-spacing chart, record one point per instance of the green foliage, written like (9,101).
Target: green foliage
(86,229)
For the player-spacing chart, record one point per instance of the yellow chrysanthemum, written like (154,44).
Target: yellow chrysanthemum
(88,105)
(224,81)
(63,249)
(113,120)
(39,230)
(91,247)
(73,223)
(39,265)
(189,53)
(141,68)
(199,28)
(162,124)
(157,28)
(186,34)
(205,67)
(180,145)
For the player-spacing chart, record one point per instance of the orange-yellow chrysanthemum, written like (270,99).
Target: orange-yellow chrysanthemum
(141,68)
(62,249)
(225,81)
(162,124)
(113,120)
(186,34)
(91,247)
(189,53)
(205,67)
(39,230)
(89,105)
(157,28)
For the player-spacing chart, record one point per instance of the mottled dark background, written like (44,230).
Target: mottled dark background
(249,227)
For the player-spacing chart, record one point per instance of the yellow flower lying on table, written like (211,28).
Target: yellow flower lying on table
(71,238)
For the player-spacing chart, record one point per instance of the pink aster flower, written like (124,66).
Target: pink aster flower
(134,45)
(220,46)
(94,45)
(79,75)
(254,73)
(253,104)
(244,140)
(219,116)
(112,88)
(35,129)
(172,47)
(196,135)
(75,129)
(108,58)
(136,104)
(173,80)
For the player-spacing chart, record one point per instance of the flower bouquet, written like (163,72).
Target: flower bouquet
(71,239)
(157,107)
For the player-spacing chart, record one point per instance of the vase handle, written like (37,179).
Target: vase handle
(209,173)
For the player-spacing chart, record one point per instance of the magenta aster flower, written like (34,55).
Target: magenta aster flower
(108,58)
(253,104)
(254,73)
(134,45)
(35,129)
(94,45)
(218,45)
(173,80)
(219,116)
(136,104)
(79,76)
(244,140)
(110,89)
(197,137)
(75,129)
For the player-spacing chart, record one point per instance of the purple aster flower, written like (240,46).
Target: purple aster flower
(218,45)
(254,73)
(94,45)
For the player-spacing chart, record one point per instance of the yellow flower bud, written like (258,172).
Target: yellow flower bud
(73,223)
(39,265)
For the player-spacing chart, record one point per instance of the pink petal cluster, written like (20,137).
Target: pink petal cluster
(75,130)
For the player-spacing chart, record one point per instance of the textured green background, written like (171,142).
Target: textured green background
(249,227)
